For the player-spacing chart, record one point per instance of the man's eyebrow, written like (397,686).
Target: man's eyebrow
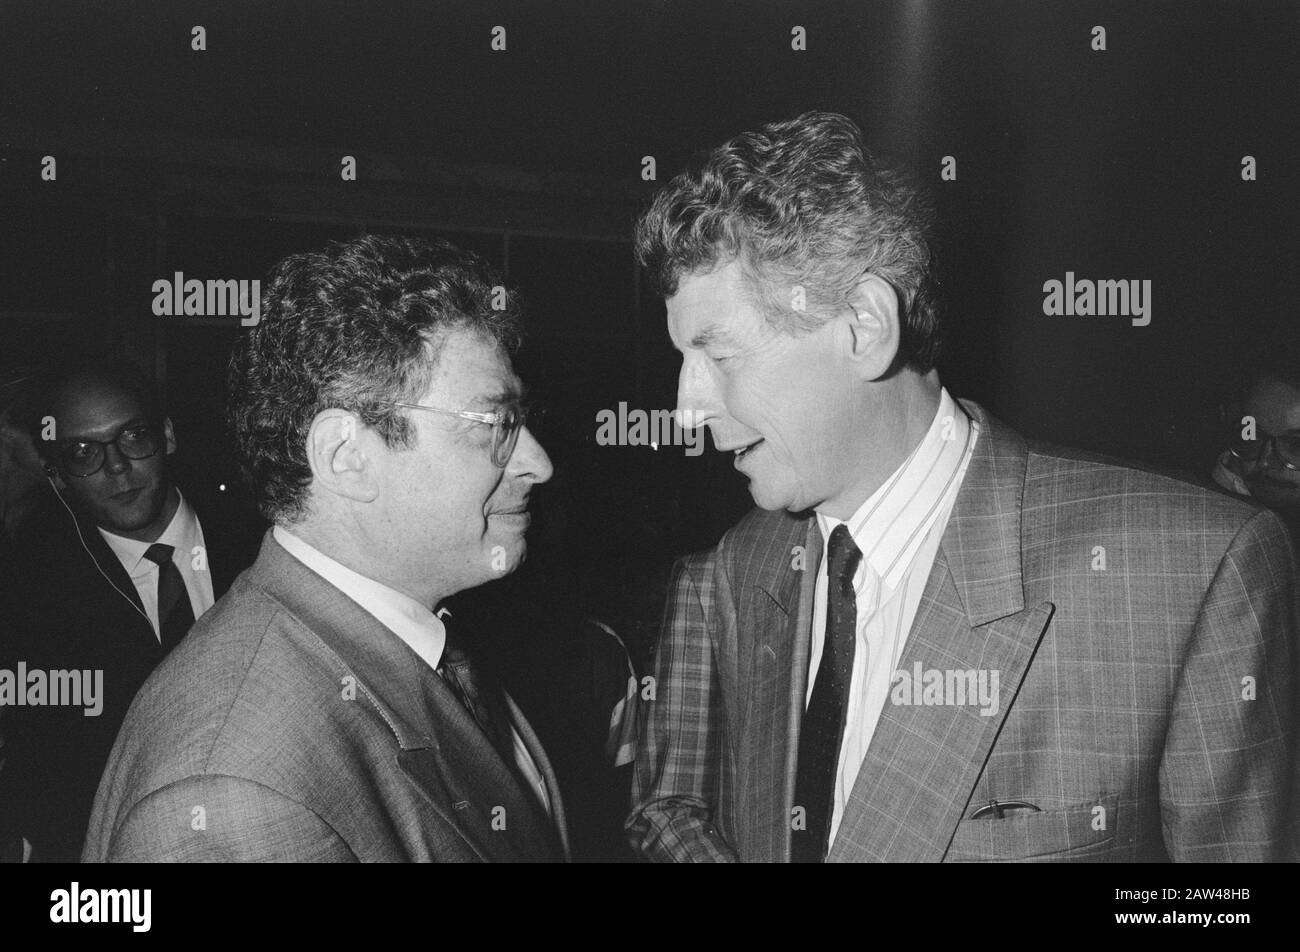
(511,394)
(713,334)
(114,429)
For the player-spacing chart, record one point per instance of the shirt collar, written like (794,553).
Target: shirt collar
(420,628)
(181,534)
(892,524)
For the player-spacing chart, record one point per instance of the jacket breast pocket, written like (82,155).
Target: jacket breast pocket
(1079,833)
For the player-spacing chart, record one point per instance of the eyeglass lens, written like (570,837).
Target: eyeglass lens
(85,458)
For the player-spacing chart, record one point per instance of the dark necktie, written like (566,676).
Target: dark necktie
(822,729)
(458,674)
(175,616)
(485,701)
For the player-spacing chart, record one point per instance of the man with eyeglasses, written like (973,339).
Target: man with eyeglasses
(328,709)
(113,567)
(1263,455)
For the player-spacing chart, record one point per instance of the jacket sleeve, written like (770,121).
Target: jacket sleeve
(680,757)
(219,819)
(1230,771)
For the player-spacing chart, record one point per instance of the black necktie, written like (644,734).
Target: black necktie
(175,616)
(458,673)
(822,729)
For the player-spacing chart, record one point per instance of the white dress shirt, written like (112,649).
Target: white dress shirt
(185,536)
(898,530)
(422,630)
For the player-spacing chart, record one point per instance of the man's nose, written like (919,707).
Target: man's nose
(529,461)
(698,401)
(1269,458)
(115,461)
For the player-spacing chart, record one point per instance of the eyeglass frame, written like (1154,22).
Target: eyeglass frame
(159,429)
(493,419)
(1268,439)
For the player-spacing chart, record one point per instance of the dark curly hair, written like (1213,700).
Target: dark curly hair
(353,327)
(799,203)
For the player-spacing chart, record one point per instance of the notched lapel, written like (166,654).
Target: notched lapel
(109,563)
(464,779)
(924,759)
(779,616)
(427,773)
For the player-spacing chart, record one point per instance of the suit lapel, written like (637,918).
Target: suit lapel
(443,753)
(916,780)
(775,623)
(543,763)
(137,633)
(924,760)
(463,770)
(104,557)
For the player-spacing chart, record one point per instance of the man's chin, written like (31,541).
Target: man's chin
(771,502)
(505,555)
(122,526)
(124,519)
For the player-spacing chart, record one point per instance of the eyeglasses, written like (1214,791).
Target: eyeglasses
(1286,450)
(506,424)
(82,458)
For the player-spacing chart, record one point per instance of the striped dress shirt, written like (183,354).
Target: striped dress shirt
(898,530)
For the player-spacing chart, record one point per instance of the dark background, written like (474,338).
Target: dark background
(1120,164)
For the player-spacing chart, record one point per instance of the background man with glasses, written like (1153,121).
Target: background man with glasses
(1263,455)
(111,568)
(326,709)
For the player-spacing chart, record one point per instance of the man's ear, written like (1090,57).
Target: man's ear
(52,475)
(342,453)
(169,435)
(874,330)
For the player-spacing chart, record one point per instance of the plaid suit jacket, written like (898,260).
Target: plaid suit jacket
(1145,633)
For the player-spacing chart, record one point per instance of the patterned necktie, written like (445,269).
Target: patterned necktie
(822,729)
(175,616)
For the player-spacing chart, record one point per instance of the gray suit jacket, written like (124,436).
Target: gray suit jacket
(1149,708)
(291,725)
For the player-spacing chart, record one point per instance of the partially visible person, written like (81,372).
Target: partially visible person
(112,567)
(21,479)
(1263,455)
(20,483)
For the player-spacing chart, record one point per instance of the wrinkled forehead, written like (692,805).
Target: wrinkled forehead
(710,307)
(470,367)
